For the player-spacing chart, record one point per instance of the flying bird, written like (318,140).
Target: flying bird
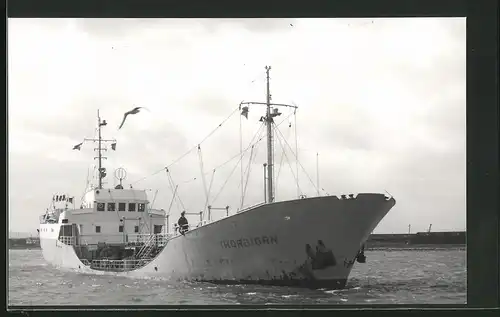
(77,147)
(133,111)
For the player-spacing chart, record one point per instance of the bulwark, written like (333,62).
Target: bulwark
(249,242)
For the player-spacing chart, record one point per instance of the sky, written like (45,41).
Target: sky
(381,107)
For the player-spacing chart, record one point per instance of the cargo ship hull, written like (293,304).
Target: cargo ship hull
(310,242)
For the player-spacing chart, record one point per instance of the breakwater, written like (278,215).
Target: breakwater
(419,240)
(24,243)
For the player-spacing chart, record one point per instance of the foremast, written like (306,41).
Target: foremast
(268,119)
(270,152)
(100,149)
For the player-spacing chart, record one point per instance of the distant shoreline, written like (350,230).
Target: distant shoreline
(37,247)
(24,244)
(417,241)
(409,247)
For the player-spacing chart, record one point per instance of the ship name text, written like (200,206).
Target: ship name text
(249,242)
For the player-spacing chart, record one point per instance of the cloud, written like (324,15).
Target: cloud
(381,100)
(210,103)
(31,186)
(265,25)
(113,28)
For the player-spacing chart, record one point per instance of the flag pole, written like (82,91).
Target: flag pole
(271,112)
(99,149)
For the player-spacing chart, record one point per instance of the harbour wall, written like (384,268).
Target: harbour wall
(420,240)
(24,243)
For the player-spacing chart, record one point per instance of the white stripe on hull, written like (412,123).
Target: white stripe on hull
(263,245)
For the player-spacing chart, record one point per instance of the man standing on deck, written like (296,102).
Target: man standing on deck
(183,223)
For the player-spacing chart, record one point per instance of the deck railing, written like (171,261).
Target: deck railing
(85,262)
(118,265)
(69,240)
(159,239)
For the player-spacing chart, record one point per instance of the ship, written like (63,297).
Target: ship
(310,242)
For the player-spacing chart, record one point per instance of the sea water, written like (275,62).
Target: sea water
(388,277)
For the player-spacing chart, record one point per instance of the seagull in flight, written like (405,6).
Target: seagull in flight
(78,147)
(133,111)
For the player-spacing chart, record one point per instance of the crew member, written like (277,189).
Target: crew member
(183,223)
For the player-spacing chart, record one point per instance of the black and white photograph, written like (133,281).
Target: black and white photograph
(236,161)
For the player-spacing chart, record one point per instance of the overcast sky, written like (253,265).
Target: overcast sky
(382,101)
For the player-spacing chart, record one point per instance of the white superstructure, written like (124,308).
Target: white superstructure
(311,242)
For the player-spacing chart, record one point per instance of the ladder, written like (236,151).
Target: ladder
(146,249)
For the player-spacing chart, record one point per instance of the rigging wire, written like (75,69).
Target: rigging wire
(172,201)
(259,132)
(278,174)
(208,195)
(192,149)
(247,170)
(248,163)
(86,185)
(172,189)
(232,158)
(170,206)
(93,179)
(250,145)
(202,174)
(178,196)
(175,193)
(298,161)
(296,149)
(281,163)
(171,180)
(219,166)
(154,199)
(290,165)
(248,173)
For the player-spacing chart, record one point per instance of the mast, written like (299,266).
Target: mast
(99,149)
(317,172)
(269,122)
(268,119)
(265,191)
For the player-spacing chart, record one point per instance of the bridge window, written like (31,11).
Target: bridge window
(122,206)
(111,206)
(98,229)
(100,207)
(131,207)
(120,229)
(157,229)
(64,221)
(136,229)
(141,207)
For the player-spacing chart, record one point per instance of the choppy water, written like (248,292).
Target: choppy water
(388,277)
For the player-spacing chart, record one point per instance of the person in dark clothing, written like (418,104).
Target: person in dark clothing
(183,223)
